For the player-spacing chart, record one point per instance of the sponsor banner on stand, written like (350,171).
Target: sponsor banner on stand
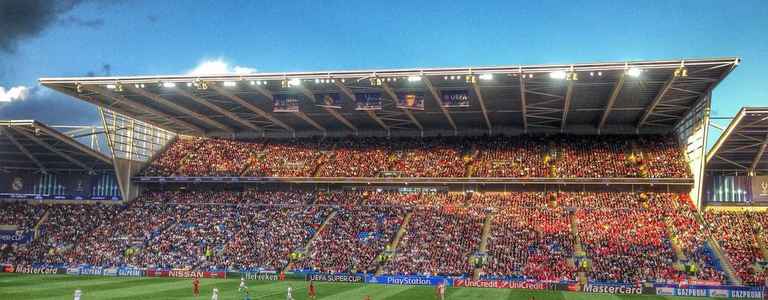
(180,273)
(334,278)
(501,284)
(109,272)
(711,291)
(91,270)
(129,272)
(409,280)
(261,276)
(621,289)
(38,270)
(73,271)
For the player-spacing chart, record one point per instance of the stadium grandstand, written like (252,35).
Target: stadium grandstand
(574,174)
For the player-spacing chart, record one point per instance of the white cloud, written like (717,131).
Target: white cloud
(14,93)
(218,66)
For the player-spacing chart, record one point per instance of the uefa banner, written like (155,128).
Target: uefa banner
(331,100)
(368,101)
(760,189)
(15,237)
(334,278)
(285,103)
(408,280)
(455,98)
(501,284)
(411,101)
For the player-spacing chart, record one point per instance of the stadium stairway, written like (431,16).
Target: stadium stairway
(674,241)
(759,234)
(483,248)
(324,158)
(578,249)
(308,245)
(396,240)
(43,218)
(730,272)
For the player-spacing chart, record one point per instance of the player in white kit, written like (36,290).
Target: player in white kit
(215,295)
(242,285)
(78,294)
(290,295)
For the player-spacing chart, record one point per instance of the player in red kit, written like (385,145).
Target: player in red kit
(312,292)
(196,287)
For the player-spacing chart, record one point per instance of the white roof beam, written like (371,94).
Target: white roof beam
(143,108)
(393,97)
(23,149)
(611,100)
(663,92)
(309,120)
(759,154)
(54,150)
(159,99)
(480,100)
(436,95)
(566,104)
(344,89)
(226,93)
(331,111)
(216,108)
(523,103)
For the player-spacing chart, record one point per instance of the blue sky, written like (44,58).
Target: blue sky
(154,37)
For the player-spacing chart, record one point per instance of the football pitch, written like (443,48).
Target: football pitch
(17,286)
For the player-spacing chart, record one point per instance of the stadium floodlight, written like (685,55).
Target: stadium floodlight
(294,82)
(111,86)
(169,84)
(414,78)
(189,84)
(229,83)
(558,75)
(634,72)
(487,76)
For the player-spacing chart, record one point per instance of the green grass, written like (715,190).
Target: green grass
(51,287)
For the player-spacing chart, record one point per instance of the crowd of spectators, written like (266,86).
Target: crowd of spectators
(168,162)
(627,236)
(498,156)
(737,233)
(439,241)
(353,239)
(20,214)
(531,243)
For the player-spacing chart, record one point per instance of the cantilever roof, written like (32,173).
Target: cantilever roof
(31,145)
(742,147)
(517,99)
